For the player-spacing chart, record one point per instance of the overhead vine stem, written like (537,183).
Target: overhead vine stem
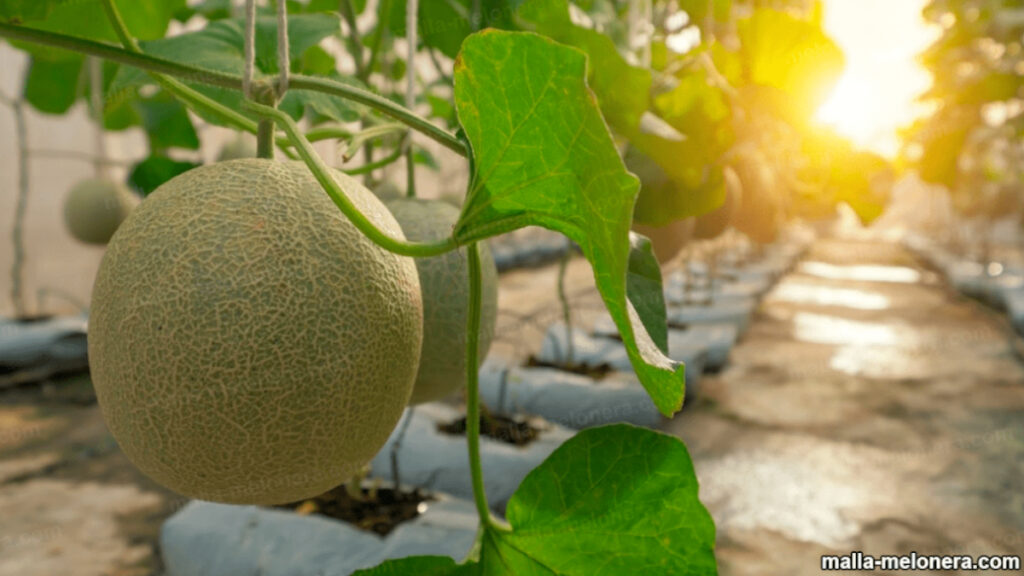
(411,31)
(226,80)
(197,100)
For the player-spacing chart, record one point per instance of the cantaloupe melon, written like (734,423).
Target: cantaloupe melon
(668,240)
(247,343)
(445,283)
(714,223)
(94,208)
(760,214)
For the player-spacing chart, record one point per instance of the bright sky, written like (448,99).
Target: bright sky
(876,94)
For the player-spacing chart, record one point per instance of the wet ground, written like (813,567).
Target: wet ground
(868,408)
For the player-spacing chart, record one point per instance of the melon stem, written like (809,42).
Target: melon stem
(321,172)
(265,139)
(473,387)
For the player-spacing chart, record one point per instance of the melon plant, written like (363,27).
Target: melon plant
(257,325)
(94,208)
(444,281)
(247,343)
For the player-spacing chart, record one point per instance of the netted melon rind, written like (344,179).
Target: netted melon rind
(445,283)
(94,208)
(247,343)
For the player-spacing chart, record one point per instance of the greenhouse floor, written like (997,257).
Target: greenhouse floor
(868,408)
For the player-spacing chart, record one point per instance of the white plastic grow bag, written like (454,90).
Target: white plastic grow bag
(438,461)
(208,539)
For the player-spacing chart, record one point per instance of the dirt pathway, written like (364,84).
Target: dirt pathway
(868,409)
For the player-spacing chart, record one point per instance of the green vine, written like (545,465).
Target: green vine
(232,81)
(323,175)
(191,97)
(473,389)
(571,181)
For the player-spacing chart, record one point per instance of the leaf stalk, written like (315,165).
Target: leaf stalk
(323,175)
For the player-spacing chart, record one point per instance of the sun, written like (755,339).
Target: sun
(877,94)
(852,109)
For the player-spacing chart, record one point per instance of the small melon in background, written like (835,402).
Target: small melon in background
(668,236)
(388,191)
(95,208)
(668,240)
(445,283)
(714,223)
(760,213)
(240,146)
(247,343)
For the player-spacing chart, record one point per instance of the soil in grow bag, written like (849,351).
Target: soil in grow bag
(381,510)
(40,355)
(594,372)
(72,387)
(508,429)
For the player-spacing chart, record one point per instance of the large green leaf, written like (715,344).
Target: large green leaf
(145,19)
(698,10)
(542,155)
(612,500)
(645,290)
(149,174)
(167,123)
(220,47)
(325,106)
(20,11)
(52,85)
(444,24)
(421,566)
(623,90)
(211,10)
(793,55)
(679,178)
(694,106)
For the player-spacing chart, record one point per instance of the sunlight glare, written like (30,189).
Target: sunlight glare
(851,109)
(878,90)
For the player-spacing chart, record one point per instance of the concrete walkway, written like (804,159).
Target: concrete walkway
(868,409)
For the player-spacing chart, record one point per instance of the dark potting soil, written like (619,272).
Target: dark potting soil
(34,387)
(380,510)
(509,429)
(594,372)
